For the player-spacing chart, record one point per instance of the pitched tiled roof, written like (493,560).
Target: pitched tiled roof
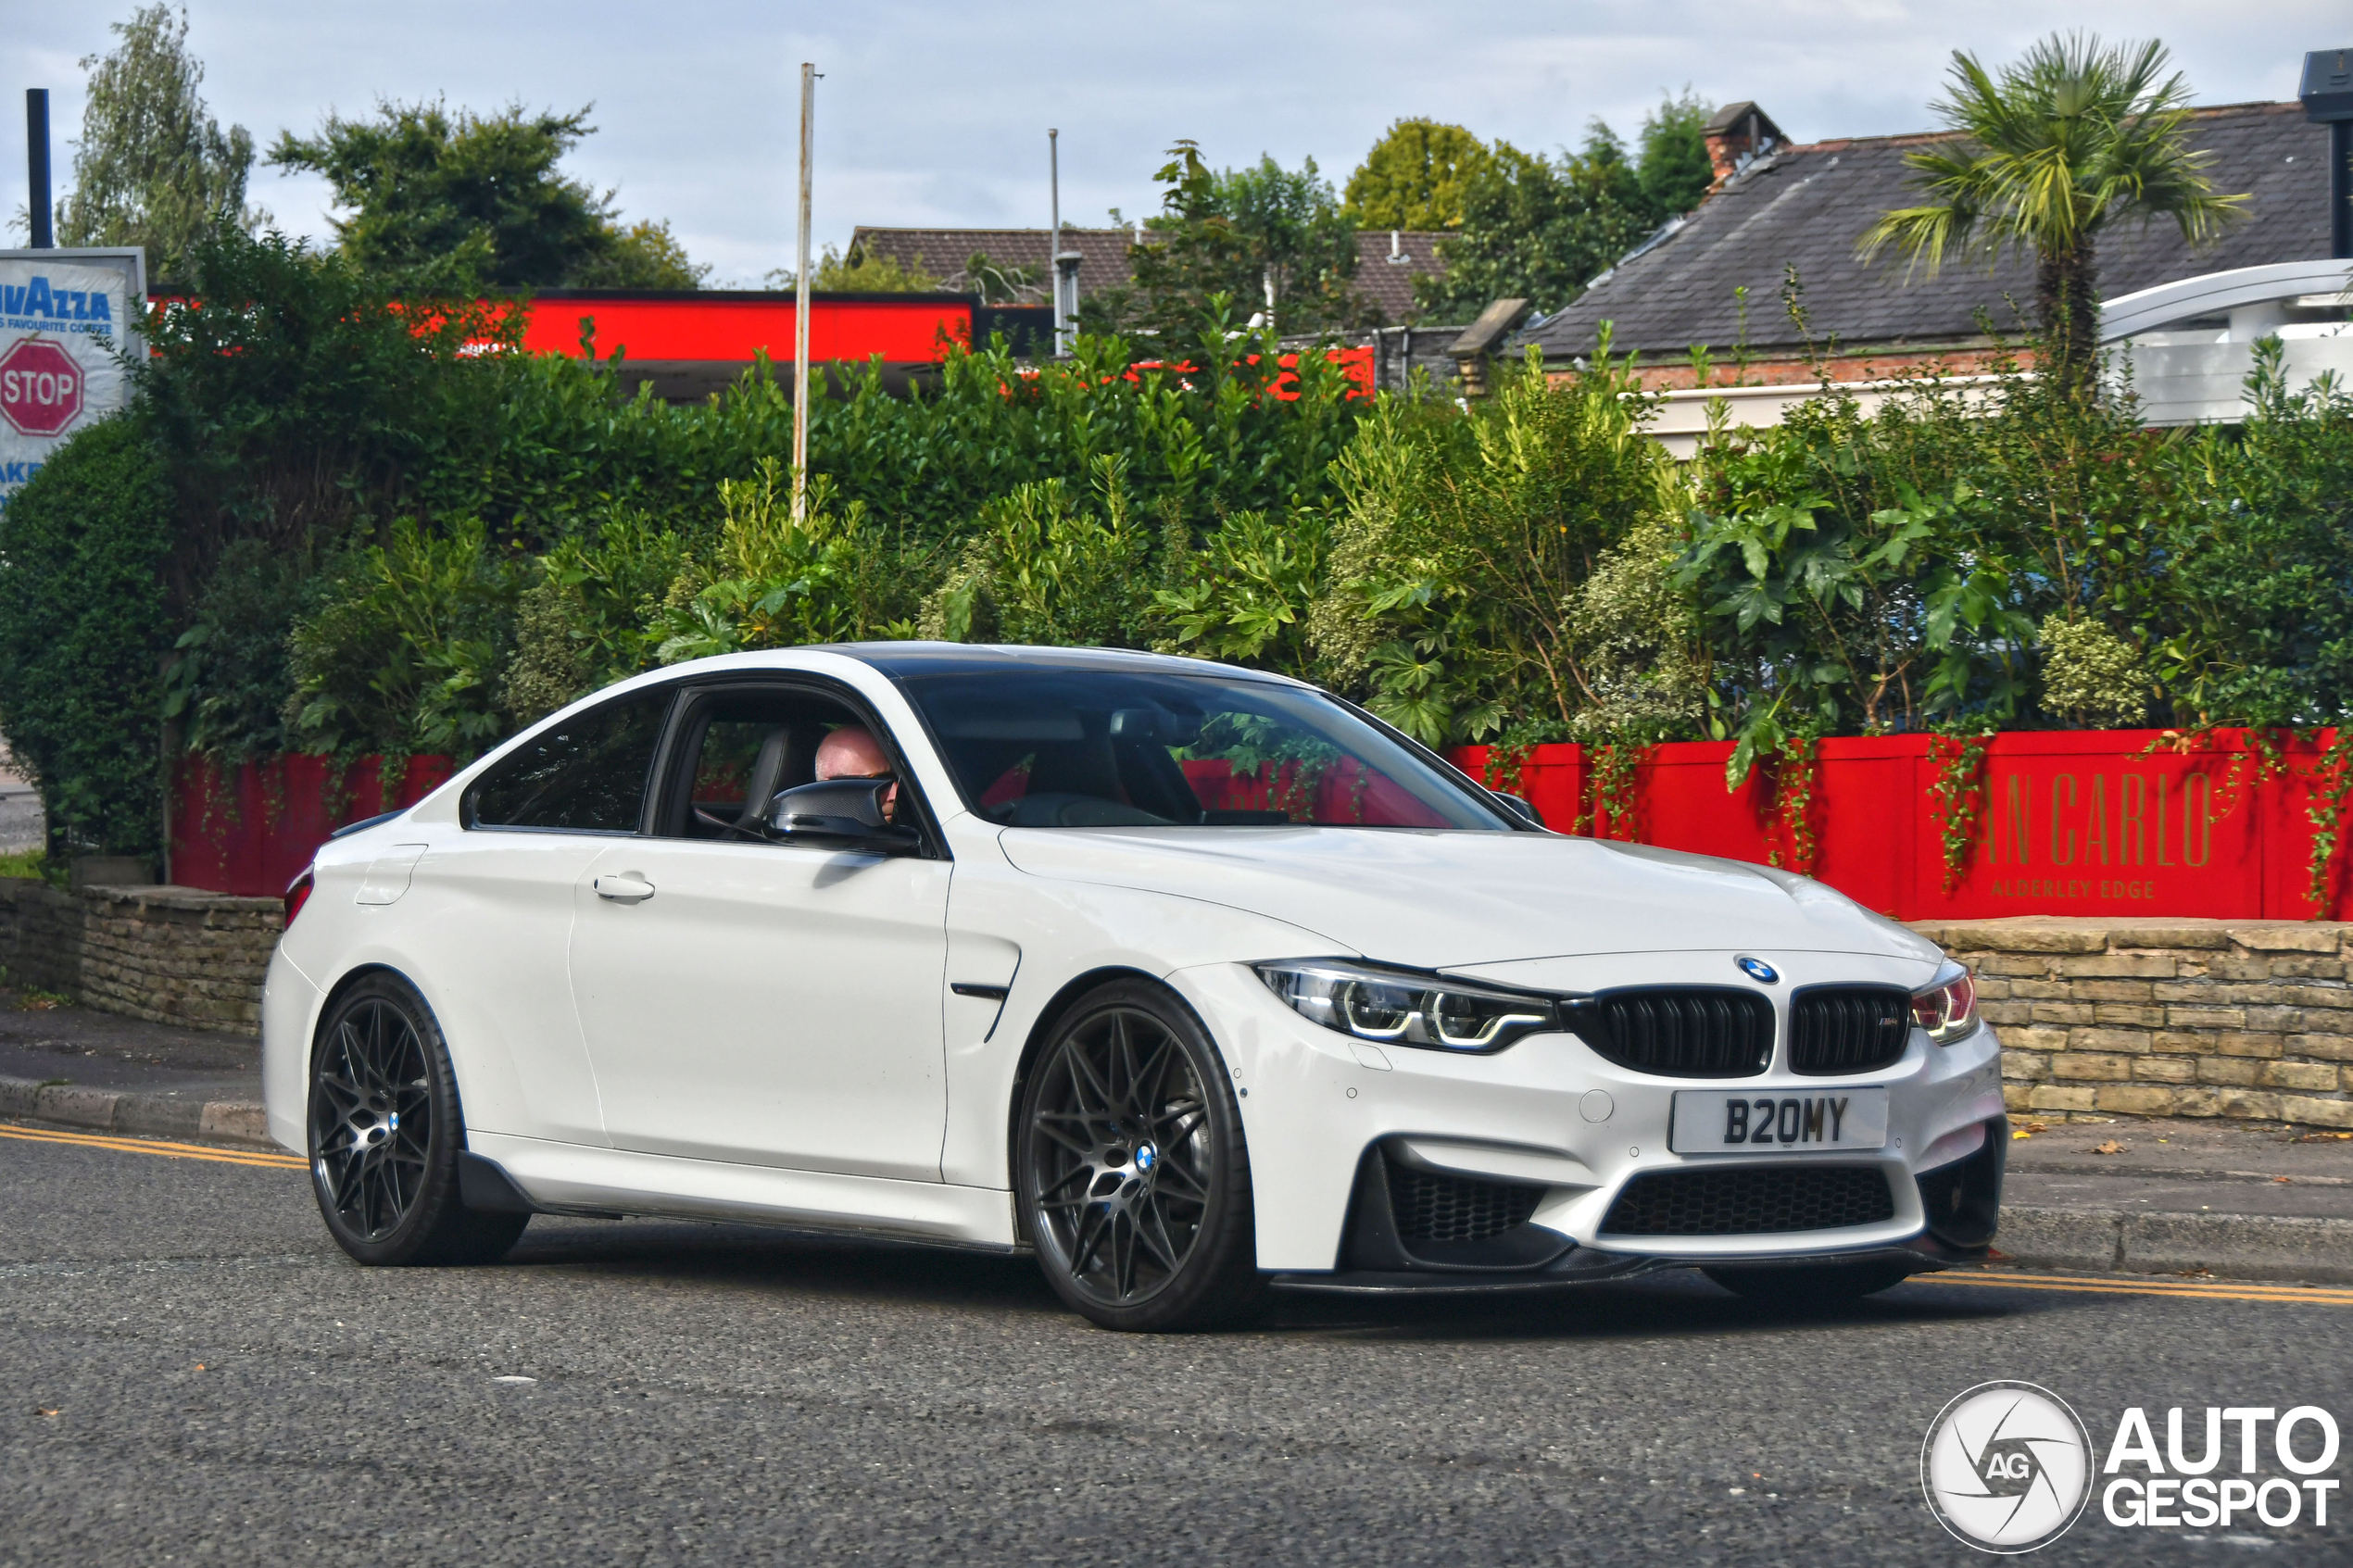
(945,253)
(1807,206)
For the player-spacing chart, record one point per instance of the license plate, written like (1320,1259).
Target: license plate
(1716,1121)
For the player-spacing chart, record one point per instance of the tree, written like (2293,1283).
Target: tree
(643,256)
(1417,177)
(1543,229)
(1674,169)
(859,273)
(447,198)
(2070,139)
(1539,229)
(153,168)
(1235,235)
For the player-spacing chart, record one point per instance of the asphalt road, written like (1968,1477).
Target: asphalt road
(194,1375)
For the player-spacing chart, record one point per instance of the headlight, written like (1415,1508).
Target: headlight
(1947,1007)
(1399,1007)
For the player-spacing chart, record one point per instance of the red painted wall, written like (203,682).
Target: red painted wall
(254,832)
(2076,822)
(2092,822)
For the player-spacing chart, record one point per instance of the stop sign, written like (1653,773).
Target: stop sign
(39,387)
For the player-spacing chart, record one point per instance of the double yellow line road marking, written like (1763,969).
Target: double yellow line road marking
(2097,1284)
(2134,1284)
(222,1156)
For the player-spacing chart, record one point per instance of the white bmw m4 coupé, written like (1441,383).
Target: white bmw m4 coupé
(1191,981)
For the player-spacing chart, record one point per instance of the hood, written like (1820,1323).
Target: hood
(1441,900)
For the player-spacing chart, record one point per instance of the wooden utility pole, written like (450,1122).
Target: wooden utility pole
(800,311)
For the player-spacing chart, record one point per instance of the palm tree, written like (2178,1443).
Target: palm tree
(2064,142)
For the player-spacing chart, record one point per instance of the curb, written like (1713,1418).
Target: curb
(2238,1246)
(241,1123)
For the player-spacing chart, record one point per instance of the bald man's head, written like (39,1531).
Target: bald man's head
(852,752)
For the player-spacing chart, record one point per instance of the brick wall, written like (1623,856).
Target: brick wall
(2172,1018)
(170,955)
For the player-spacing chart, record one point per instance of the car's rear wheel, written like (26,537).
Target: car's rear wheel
(1132,1172)
(385,1131)
(1810,1284)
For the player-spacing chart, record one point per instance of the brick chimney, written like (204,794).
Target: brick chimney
(1738,135)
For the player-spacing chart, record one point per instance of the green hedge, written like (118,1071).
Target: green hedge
(83,630)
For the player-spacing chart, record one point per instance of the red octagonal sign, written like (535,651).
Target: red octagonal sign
(39,387)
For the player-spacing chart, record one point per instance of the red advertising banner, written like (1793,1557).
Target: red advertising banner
(2061,823)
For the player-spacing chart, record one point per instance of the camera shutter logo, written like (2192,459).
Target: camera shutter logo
(2006,1467)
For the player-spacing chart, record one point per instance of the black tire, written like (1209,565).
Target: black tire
(1796,1285)
(1131,1170)
(385,1134)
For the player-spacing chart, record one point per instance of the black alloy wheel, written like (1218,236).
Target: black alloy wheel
(1793,1286)
(1134,1180)
(385,1133)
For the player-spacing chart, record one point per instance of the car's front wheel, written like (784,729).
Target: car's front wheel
(1809,1285)
(1132,1172)
(385,1133)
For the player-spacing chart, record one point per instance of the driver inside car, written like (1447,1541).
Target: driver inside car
(852,752)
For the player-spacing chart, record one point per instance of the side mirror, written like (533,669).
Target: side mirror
(1520,805)
(842,814)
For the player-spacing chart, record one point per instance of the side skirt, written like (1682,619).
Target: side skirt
(574,1178)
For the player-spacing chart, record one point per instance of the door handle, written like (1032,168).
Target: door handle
(623,889)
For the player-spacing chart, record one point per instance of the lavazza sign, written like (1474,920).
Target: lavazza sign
(69,319)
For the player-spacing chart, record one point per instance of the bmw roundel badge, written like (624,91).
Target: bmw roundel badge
(1757,970)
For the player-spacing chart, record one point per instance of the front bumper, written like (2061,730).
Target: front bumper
(1328,1119)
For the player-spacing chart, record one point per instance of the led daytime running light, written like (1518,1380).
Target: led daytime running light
(1389,1006)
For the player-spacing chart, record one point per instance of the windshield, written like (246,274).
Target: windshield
(1070,748)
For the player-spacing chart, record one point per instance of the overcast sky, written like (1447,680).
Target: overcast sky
(935,113)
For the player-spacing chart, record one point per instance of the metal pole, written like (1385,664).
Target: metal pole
(36,136)
(1054,233)
(800,311)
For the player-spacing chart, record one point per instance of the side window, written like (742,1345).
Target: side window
(585,775)
(738,749)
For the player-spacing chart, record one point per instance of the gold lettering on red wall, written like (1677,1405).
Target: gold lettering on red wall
(2062,800)
(2198,787)
(2162,784)
(2096,832)
(2132,803)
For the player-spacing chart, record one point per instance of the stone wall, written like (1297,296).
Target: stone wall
(2167,1018)
(170,955)
(2149,1018)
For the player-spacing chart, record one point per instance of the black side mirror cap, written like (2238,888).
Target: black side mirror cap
(1520,805)
(842,814)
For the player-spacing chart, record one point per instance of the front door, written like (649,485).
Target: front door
(758,1002)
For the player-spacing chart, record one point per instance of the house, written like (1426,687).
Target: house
(1386,261)
(1713,283)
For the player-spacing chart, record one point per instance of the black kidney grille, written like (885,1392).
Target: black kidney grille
(1752,1201)
(1695,1032)
(1429,1207)
(1836,1029)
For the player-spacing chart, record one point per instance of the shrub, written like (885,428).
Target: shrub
(1461,542)
(406,653)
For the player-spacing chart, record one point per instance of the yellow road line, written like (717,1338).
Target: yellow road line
(2123,1284)
(155,1145)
